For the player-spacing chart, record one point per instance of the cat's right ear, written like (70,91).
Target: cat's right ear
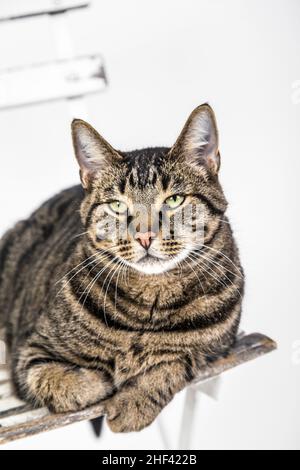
(92,151)
(198,142)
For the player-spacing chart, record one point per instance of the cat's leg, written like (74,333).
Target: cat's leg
(60,386)
(140,400)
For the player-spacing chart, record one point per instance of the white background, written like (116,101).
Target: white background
(164,58)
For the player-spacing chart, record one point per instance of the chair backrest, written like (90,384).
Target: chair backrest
(68,77)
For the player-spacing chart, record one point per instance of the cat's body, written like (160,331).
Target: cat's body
(82,328)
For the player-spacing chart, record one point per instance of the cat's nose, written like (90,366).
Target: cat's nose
(145,238)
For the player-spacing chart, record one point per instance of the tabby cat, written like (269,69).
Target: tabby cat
(93,315)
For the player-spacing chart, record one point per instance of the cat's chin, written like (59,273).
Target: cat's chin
(151,265)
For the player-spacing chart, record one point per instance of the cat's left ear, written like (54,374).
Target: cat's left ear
(92,152)
(198,142)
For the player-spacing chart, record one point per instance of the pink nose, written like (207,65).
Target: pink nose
(145,238)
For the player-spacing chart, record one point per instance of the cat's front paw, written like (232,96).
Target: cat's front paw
(63,389)
(130,411)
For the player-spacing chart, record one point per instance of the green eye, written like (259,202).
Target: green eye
(175,201)
(118,206)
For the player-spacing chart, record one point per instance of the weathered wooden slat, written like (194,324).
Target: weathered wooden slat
(49,81)
(247,348)
(21,419)
(14,411)
(9,403)
(47,423)
(14,9)
(33,422)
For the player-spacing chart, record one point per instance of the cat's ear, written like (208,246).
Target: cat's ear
(198,142)
(92,151)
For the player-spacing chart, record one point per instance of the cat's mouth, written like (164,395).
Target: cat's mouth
(150,258)
(156,264)
(150,264)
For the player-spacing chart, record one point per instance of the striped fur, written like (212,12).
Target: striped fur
(131,339)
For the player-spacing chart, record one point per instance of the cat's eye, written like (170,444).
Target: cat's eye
(174,201)
(118,206)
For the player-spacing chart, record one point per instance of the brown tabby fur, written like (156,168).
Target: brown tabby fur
(130,339)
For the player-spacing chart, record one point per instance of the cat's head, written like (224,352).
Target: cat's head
(151,208)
